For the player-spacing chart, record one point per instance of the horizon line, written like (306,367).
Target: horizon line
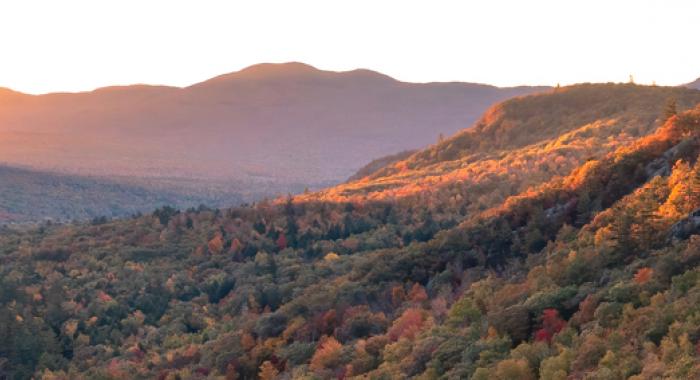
(316,68)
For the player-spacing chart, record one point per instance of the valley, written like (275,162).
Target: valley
(553,239)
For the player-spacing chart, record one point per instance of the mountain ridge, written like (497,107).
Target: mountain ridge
(233,128)
(497,142)
(263,69)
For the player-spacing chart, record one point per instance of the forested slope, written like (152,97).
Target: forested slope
(31,196)
(591,273)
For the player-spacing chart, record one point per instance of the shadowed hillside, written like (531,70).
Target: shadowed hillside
(380,163)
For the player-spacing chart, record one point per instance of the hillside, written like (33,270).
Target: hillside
(283,125)
(695,84)
(590,272)
(34,196)
(379,163)
(521,142)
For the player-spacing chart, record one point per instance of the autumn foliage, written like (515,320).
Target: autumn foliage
(551,325)
(643,275)
(327,354)
(587,274)
(407,325)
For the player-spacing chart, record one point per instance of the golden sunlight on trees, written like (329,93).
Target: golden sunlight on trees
(327,354)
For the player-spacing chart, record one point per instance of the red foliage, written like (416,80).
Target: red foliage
(543,335)
(329,321)
(202,371)
(418,293)
(643,275)
(235,246)
(551,324)
(104,297)
(398,295)
(282,242)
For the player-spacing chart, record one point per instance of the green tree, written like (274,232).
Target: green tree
(671,109)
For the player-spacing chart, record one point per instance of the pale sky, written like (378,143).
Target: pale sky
(73,45)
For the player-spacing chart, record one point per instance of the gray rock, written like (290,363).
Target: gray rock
(686,227)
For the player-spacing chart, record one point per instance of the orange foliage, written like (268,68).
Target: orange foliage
(586,310)
(247,341)
(216,244)
(327,354)
(398,295)
(407,325)
(417,293)
(235,246)
(643,275)
(267,371)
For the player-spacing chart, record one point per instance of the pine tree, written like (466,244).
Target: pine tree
(649,220)
(694,186)
(671,109)
(583,209)
(620,228)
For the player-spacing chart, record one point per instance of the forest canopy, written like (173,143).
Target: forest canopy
(570,253)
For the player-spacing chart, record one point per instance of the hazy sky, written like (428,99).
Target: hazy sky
(72,45)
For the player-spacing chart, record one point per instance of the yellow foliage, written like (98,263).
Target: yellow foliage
(327,354)
(331,256)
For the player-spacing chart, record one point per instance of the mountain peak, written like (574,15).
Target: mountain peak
(294,71)
(285,68)
(267,71)
(4,91)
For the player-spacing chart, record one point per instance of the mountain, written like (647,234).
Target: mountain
(522,142)
(571,252)
(275,125)
(694,85)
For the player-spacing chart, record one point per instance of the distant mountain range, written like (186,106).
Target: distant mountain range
(284,125)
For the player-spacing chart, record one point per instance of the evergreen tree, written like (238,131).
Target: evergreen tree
(671,109)
(694,186)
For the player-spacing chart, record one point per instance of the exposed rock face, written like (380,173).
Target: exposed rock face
(686,227)
(662,165)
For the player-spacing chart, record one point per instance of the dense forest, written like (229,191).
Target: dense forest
(556,239)
(28,196)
